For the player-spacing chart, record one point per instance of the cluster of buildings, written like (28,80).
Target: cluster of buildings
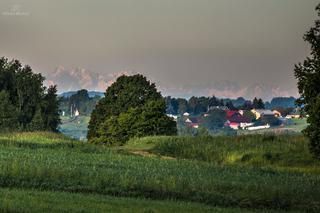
(241,119)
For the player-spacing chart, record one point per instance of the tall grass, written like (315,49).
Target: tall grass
(257,150)
(105,171)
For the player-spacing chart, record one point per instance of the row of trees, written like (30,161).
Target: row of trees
(25,104)
(199,105)
(80,101)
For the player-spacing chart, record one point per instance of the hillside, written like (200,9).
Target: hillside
(156,174)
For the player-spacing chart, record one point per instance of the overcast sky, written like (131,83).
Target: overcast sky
(177,43)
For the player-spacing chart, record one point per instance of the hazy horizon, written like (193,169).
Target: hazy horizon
(227,48)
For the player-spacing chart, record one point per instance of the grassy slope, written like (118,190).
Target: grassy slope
(75,127)
(283,151)
(22,200)
(51,162)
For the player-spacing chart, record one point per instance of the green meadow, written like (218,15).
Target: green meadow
(47,172)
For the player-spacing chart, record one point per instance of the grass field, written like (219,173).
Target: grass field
(76,128)
(158,174)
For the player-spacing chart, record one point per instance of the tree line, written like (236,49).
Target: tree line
(199,105)
(80,101)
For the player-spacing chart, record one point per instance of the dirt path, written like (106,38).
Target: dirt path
(145,153)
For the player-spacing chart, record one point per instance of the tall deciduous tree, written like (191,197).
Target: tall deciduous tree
(126,93)
(31,102)
(308,76)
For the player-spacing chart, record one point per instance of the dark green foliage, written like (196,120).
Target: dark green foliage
(131,107)
(313,130)
(198,105)
(308,76)
(172,105)
(50,109)
(34,106)
(248,114)
(137,122)
(183,105)
(284,102)
(8,115)
(246,106)
(215,120)
(230,105)
(268,119)
(79,101)
(258,103)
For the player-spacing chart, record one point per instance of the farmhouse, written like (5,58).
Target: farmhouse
(262,112)
(193,122)
(235,119)
(276,113)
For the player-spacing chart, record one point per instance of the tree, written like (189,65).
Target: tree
(172,105)
(230,105)
(246,106)
(308,76)
(37,123)
(149,119)
(8,116)
(215,120)
(258,103)
(129,97)
(183,105)
(50,109)
(25,92)
(213,101)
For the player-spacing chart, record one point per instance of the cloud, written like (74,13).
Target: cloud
(81,78)
(228,89)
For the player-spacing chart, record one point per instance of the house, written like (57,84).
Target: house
(193,122)
(76,113)
(236,116)
(290,116)
(233,125)
(245,125)
(276,113)
(294,114)
(186,114)
(235,120)
(259,127)
(262,112)
(175,117)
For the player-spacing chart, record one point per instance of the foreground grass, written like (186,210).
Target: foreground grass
(85,168)
(21,200)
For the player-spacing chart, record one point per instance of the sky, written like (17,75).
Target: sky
(227,48)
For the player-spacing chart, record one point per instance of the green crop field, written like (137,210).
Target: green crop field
(46,172)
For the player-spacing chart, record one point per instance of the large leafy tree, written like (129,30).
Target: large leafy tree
(150,119)
(126,93)
(27,95)
(308,76)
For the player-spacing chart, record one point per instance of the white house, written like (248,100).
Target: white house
(259,127)
(76,113)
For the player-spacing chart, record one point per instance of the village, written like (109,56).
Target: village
(239,120)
